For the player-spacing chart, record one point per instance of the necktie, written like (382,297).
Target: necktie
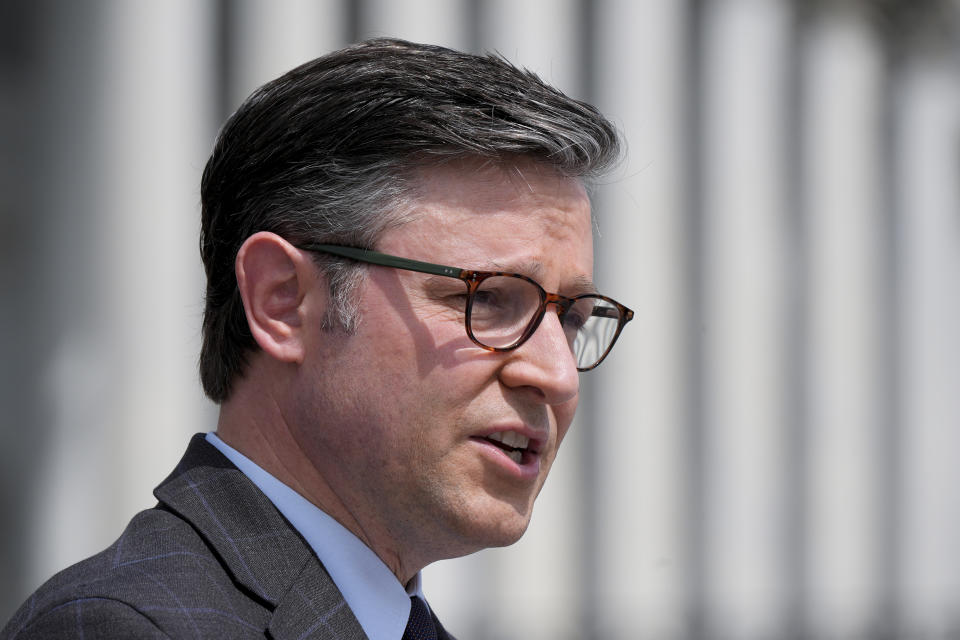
(420,625)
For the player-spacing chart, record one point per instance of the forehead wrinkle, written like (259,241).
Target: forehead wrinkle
(498,185)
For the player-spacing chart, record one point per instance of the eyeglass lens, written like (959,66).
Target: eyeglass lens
(503,307)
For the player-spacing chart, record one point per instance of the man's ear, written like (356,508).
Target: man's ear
(274,277)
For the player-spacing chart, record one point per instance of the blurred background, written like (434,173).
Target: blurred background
(773,449)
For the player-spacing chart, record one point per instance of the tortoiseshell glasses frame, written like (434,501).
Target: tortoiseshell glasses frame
(509,313)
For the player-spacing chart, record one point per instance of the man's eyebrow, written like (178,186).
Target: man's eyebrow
(578,285)
(582,284)
(528,268)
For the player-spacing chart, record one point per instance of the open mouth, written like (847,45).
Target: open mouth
(516,446)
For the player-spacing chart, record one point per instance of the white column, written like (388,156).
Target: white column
(155,123)
(271,37)
(442,22)
(745,71)
(843,165)
(930,166)
(541,35)
(635,410)
(124,383)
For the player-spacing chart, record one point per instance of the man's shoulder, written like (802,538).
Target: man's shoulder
(214,559)
(159,579)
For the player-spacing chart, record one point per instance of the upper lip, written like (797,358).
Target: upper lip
(537,437)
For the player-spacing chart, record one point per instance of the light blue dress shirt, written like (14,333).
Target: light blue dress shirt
(378,600)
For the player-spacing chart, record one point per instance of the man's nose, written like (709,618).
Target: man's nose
(545,363)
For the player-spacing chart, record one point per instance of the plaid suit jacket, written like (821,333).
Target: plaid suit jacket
(214,559)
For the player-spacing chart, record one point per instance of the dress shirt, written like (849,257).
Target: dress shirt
(378,600)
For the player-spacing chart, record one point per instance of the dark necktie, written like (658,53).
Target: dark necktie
(420,625)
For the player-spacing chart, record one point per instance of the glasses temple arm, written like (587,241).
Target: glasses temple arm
(384,260)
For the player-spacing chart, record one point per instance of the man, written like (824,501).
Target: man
(383,230)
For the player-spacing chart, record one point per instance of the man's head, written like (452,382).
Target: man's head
(373,390)
(325,154)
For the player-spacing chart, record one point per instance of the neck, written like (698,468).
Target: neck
(259,431)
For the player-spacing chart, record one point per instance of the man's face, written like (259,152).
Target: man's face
(400,413)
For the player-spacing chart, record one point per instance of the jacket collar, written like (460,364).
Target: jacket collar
(259,548)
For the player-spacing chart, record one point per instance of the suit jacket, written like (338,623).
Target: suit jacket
(214,559)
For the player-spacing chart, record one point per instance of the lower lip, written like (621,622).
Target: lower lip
(527,469)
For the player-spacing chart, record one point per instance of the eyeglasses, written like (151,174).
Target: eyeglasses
(502,310)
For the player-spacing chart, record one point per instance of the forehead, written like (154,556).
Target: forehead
(468,200)
(486,186)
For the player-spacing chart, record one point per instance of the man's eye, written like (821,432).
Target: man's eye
(456,301)
(574,320)
(488,298)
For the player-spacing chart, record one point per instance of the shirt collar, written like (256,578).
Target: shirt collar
(379,602)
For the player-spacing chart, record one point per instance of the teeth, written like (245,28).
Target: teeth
(515,455)
(511,439)
(518,441)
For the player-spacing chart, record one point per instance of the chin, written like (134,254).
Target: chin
(486,529)
(506,538)
(495,527)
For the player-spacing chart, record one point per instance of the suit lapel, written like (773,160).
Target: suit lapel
(257,545)
(314,609)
